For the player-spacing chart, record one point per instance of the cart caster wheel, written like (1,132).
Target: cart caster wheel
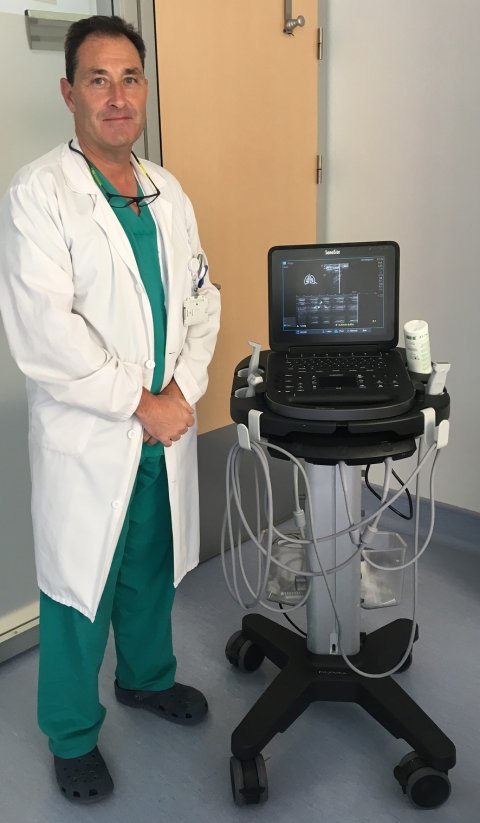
(249,780)
(244,654)
(425,787)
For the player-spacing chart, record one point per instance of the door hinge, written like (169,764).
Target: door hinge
(320,43)
(319,168)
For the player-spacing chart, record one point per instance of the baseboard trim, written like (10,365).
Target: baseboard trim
(454,526)
(19,640)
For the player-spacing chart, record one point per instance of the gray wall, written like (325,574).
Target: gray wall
(403,131)
(17,579)
(37,120)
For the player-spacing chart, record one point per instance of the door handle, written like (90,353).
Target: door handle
(291,23)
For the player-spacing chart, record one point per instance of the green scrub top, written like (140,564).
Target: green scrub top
(141,231)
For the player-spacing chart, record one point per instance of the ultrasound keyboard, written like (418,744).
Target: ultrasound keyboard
(330,386)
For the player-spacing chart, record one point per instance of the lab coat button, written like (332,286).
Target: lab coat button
(131,434)
(116,504)
(149,364)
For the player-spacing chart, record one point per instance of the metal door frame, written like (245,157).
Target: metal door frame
(141,13)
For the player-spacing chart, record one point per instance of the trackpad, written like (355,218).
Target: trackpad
(331,381)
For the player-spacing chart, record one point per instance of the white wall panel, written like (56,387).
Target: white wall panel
(403,131)
(36,120)
(85,7)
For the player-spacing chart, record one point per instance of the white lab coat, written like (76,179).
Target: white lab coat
(79,325)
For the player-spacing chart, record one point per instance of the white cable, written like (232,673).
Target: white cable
(296,493)
(260,584)
(342,468)
(417,554)
(258,452)
(370,675)
(411,640)
(235,491)
(386,488)
(372,528)
(232,472)
(365,520)
(362,545)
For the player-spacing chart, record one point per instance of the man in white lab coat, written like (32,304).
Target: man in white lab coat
(110,314)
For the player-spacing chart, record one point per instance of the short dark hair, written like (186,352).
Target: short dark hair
(101,26)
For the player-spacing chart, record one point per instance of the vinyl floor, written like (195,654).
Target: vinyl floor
(334,764)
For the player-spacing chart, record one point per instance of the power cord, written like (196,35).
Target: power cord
(289,619)
(408,516)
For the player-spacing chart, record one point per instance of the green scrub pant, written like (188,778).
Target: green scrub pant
(137,600)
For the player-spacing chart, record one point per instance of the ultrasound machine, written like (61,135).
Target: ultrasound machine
(332,395)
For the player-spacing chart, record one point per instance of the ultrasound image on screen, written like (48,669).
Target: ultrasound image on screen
(344,297)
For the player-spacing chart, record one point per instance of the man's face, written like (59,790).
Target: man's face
(108,95)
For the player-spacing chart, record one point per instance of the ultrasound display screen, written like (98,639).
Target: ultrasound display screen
(342,294)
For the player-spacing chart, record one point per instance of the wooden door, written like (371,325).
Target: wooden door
(238,110)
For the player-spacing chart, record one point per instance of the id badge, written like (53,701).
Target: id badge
(195,310)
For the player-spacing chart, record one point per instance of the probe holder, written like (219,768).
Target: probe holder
(383,587)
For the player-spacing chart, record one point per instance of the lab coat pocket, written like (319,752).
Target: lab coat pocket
(61,428)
